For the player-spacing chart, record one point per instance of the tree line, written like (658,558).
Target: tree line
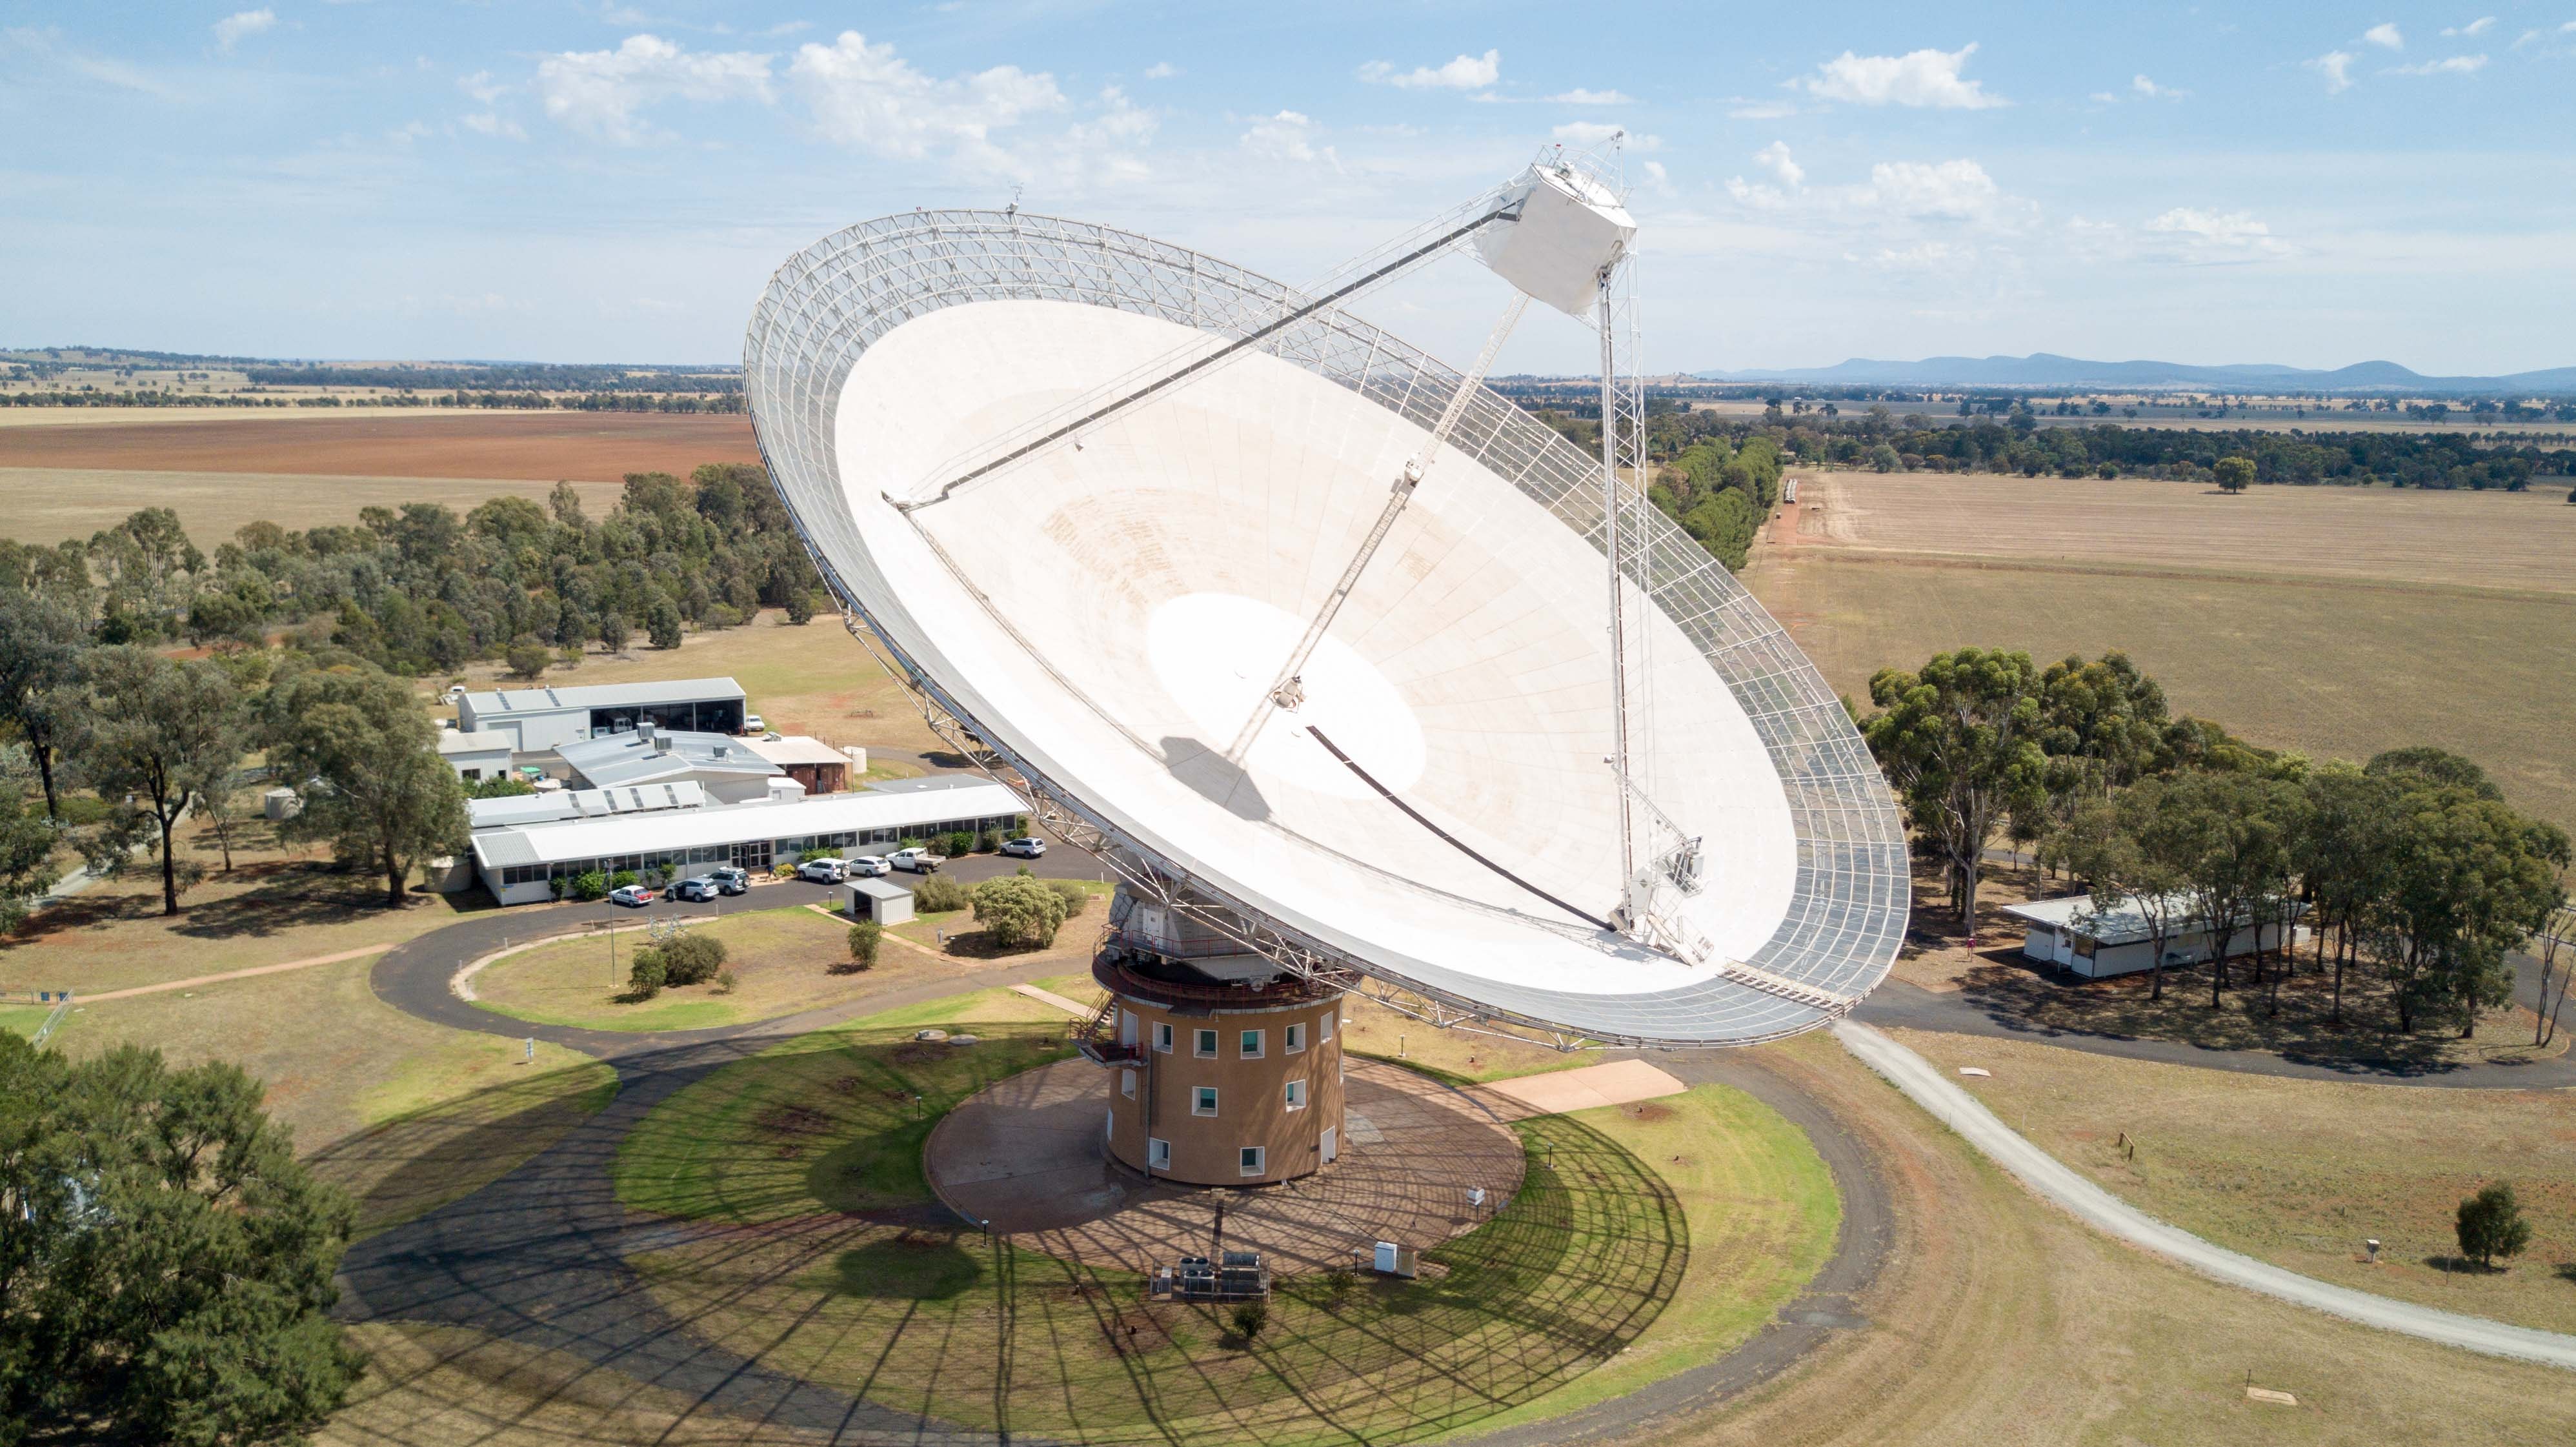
(2412,863)
(419,589)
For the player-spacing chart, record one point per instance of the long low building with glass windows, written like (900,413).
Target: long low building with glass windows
(662,831)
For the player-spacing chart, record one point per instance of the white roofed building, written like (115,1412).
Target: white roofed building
(542,719)
(724,766)
(518,856)
(475,756)
(2071,934)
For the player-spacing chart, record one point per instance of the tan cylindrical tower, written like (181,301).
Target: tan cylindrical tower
(1218,1085)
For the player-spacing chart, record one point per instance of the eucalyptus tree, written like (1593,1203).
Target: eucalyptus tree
(41,641)
(155,729)
(1959,742)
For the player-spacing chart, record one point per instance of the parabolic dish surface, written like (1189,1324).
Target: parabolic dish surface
(1108,616)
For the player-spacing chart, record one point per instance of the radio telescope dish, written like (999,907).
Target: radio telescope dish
(1430,812)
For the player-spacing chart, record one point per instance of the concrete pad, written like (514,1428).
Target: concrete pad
(1050,998)
(1621,1082)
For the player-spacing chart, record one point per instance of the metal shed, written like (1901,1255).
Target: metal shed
(875,899)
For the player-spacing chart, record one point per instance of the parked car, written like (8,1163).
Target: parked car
(1027,846)
(823,871)
(915,861)
(702,887)
(630,894)
(751,724)
(730,880)
(867,866)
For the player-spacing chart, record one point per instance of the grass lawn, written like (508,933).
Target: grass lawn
(279,904)
(954,931)
(781,960)
(855,1277)
(2298,1172)
(23,1019)
(405,1114)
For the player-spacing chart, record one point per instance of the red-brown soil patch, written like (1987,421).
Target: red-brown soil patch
(580,446)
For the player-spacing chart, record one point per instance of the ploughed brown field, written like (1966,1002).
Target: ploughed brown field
(539,446)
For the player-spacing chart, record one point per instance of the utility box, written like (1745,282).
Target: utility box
(1389,1259)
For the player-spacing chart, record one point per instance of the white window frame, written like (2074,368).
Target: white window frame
(1296,1095)
(1203,1043)
(1259,1040)
(1127,1084)
(1163,1036)
(1158,1155)
(1256,1165)
(1295,1041)
(1203,1100)
(1329,1017)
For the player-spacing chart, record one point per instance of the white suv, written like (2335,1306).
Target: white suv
(824,871)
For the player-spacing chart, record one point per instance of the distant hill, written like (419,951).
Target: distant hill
(2044,369)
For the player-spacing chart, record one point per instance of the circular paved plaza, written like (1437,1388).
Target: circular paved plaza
(1027,1156)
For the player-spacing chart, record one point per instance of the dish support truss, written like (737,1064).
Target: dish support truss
(830,302)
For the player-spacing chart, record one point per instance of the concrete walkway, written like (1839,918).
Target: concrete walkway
(2054,1181)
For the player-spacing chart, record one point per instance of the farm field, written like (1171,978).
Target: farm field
(2323,665)
(50,504)
(526,446)
(2501,540)
(2299,1172)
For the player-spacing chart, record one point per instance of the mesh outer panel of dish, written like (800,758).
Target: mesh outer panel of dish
(1107,612)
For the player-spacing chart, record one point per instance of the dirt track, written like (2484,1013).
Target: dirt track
(542,447)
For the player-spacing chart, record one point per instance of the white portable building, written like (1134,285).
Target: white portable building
(2072,935)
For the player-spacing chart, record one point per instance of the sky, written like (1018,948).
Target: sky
(596,180)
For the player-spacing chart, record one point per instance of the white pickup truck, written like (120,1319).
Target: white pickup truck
(915,861)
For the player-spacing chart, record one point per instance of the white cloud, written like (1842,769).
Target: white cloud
(407,132)
(2385,34)
(602,92)
(1582,97)
(241,25)
(868,98)
(2448,65)
(1959,190)
(2212,235)
(1659,178)
(2479,26)
(1917,78)
(1161,70)
(2152,91)
(1467,72)
(1745,108)
(1287,136)
(482,87)
(2106,98)
(2337,67)
(46,46)
(485,123)
(1775,159)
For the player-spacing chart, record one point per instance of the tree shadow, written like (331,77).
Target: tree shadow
(406,1168)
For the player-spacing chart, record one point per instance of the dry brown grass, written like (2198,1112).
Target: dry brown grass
(277,905)
(2299,1172)
(49,504)
(2519,541)
(2326,668)
(782,961)
(532,446)
(1999,1320)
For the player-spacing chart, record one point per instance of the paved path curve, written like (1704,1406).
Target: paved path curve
(539,1257)
(2054,1181)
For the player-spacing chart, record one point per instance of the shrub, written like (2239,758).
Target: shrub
(1250,1317)
(938,894)
(646,978)
(957,845)
(500,786)
(1076,898)
(528,657)
(2490,1225)
(810,855)
(866,937)
(593,885)
(1018,912)
(692,959)
(621,879)
(556,885)
(724,982)
(990,841)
